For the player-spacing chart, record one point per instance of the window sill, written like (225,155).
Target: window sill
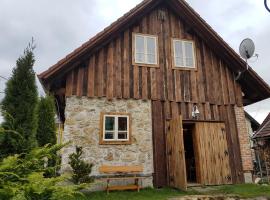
(145,65)
(115,142)
(185,68)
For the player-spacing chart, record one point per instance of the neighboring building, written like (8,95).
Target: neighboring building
(262,145)
(252,127)
(157,88)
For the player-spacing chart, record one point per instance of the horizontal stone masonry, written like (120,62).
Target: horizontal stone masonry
(82,127)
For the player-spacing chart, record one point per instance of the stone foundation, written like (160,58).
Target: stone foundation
(82,128)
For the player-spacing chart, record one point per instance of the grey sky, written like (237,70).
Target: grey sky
(59,27)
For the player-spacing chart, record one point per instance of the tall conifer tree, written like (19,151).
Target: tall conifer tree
(19,107)
(46,132)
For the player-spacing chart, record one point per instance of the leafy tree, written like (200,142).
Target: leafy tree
(46,132)
(81,169)
(20,102)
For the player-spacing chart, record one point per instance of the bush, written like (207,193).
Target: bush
(22,177)
(81,169)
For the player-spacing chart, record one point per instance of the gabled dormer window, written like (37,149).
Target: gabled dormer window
(145,50)
(183,54)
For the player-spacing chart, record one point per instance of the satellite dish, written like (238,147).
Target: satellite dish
(247,48)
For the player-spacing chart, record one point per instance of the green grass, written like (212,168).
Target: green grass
(244,190)
(145,194)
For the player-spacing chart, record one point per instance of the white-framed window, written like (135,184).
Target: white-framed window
(145,49)
(116,128)
(183,53)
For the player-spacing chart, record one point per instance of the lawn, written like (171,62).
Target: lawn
(244,190)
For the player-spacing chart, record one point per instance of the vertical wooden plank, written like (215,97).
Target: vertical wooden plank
(80,82)
(224,87)
(91,77)
(126,65)
(85,81)
(214,79)
(216,112)
(144,81)
(118,69)
(100,74)
(75,81)
(110,70)
(175,111)
(167,110)
(136,89)
(161,82)
(200,76)
(207,111)
(230,78)
(194,84)
(153,71)
(204,56)
(238,93)
(69,83)
(176,33)
(167,58)
(159,145)
(183,110)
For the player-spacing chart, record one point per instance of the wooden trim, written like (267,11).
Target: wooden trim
(101,133)
(133,51)
(194,54)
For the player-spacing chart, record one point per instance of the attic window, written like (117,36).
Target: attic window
(115,128)
(145,49)
(183,53)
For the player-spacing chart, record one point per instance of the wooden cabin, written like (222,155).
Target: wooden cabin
(158,88)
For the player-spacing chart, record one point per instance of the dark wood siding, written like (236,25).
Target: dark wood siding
(211,86)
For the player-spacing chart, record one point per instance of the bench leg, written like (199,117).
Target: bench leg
(108,184)
(137,184)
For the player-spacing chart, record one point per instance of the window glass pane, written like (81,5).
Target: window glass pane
(122,135)
(189,54)
(139,57)
(122,123)
(109,135)
(109,123)
(139,44)
(151,45)
(179,61)
(151,59)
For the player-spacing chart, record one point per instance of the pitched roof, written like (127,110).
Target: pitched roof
(264,129)
(251,83)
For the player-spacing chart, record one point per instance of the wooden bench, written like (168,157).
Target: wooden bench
(122,173)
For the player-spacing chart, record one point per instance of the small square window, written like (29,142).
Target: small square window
(115,128)
(183,54)
(145,49)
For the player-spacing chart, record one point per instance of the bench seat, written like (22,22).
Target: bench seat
(122,173)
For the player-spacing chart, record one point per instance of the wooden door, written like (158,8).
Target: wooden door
(176,154)
(212,157)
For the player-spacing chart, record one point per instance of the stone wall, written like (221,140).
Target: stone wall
(244,142)
(82,127)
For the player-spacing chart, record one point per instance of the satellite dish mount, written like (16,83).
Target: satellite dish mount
(246,50)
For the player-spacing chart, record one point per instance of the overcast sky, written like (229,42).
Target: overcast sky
(59,27)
